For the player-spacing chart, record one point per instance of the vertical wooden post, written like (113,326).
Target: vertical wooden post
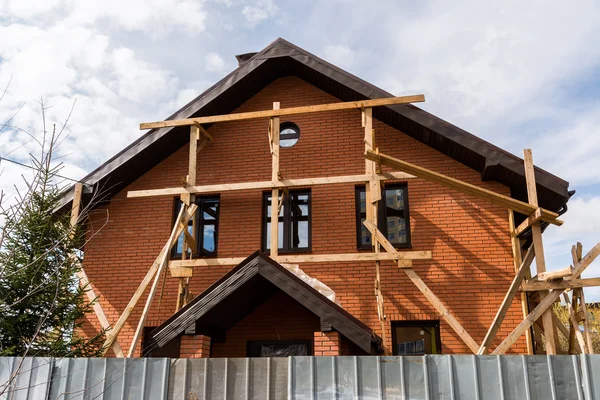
(188,199)
(82,276)
(538,246)
(577,253)
(274,126)
(372,197)
(517,260)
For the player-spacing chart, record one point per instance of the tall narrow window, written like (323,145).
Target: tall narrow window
(294,232)
(207,225)
(393,218)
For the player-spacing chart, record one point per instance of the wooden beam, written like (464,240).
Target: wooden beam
(506,303)
(585,261)
(517,261)
(542,307)
(575,325)
(496,198)
(203,132)
(538,246)
(577,252)
(563,284)
(533,218)
(309,258)
(379,237)
(558,274)
(181,272)
(161,267)
(285,111)
(444,312)
(82,276)
(527,322)
(177,230)
(284,183)
(274,123)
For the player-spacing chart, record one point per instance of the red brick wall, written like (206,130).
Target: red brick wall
(471,267)
(195,346)
(327,344)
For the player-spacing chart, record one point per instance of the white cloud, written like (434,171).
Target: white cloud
(339,55)
(215,63)
(258,12)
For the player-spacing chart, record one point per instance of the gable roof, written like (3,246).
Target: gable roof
(281,58)
(245,287)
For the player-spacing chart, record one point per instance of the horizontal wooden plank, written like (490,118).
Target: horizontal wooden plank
(533,218)
(309,258)
(286,183)
(181,272)
(285,111)
(550,275)
(497,198)
(574,283)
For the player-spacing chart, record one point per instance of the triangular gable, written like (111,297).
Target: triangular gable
(237,293)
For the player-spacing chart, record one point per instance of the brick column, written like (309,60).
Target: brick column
(326,344)
(195,346)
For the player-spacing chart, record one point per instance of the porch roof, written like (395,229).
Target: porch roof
(245,287)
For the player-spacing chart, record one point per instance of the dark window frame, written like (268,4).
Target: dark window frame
(289,136)
(200,223)
(286,219)
(382,216)
(432,323)
(253,346)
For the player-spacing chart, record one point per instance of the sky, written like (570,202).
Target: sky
(518,74)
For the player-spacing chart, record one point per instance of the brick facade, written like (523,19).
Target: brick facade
(327,344)
(195,346)
(471,267)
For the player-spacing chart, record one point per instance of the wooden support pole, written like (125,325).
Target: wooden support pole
(506,303)
(552,275)
(577,252)
(496,198)
(517,261)
(164,253)
(274,124)
(82,276)
(310,258)
(574,284)
(545,304)
(162,266)
(372,197)
(276,112)
(575,324)
(281,184)
(444,312)
(538,246)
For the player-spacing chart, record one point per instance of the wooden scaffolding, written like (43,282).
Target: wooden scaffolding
(537,294)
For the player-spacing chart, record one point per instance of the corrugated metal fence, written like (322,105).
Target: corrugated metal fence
(429,377)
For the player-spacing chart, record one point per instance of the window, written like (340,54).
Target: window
(289,133)
(294,233)
(207,225)
(416,337)
(393,219)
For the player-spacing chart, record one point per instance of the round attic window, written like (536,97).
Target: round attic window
(289,134)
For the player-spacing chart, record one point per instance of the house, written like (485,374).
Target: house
(459,244)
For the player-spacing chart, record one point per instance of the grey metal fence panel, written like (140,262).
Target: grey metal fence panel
(590,371)
(25,378)
(445,377)
(110,378)
(319,378)
(229,378)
